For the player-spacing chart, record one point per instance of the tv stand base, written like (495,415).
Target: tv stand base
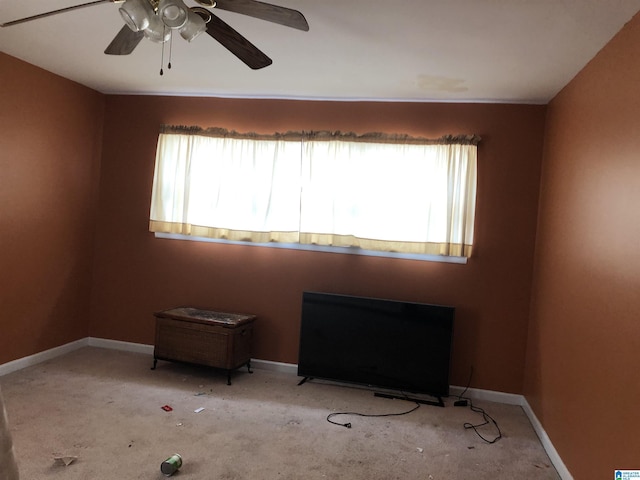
(435,403)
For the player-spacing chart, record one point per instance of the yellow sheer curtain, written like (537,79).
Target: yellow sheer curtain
(392,197)
(376,192)
(228,188)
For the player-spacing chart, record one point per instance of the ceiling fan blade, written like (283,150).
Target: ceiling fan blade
(265,11)
(237,44)
(124,42)
(54,12)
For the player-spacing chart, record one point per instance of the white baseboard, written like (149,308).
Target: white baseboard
(486,395)
(562,469)
(120,345)
(515,399)
(289,368)
(40,357)
(269,365)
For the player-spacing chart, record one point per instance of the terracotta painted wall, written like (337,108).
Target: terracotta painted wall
(584,339)
(136,274)
(50,141)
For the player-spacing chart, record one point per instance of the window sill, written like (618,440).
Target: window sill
(322,248)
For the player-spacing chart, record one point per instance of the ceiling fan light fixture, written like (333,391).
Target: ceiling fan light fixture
(157,31)
(203,13)
(173,13)
(195,26)
(144,18)
(136,14)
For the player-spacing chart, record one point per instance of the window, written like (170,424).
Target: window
(374,192)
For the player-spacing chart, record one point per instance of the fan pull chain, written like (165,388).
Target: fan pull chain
(162,57)
(170,48)
(162,60)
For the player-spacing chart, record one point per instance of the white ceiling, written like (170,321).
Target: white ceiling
(514,51)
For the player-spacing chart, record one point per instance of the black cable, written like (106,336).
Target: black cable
(485,416)
(487,420)
(468,383)
(348,425)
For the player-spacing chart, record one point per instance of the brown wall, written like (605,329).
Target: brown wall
(583,334)
(50,140)
(584,337)
(136,274)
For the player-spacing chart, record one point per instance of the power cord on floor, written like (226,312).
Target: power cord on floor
(488,420)
(348,424)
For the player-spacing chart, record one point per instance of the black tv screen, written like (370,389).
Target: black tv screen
(376,342)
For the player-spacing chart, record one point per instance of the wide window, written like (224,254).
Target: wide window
(375,192)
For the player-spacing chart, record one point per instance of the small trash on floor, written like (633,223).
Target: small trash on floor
(179,424)
(171,465)
(198,410)
(64,461)
(420,450)
(166,408)
(199,394)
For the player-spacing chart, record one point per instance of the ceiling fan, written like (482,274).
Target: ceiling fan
(157,19)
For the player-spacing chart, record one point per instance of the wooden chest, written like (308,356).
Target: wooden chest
(204,337)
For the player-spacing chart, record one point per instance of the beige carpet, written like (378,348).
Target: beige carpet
(104,407)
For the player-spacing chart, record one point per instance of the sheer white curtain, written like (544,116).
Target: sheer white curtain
(390,197)
(332,189)
(227,188)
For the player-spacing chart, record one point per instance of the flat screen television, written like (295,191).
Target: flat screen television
(380,343)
